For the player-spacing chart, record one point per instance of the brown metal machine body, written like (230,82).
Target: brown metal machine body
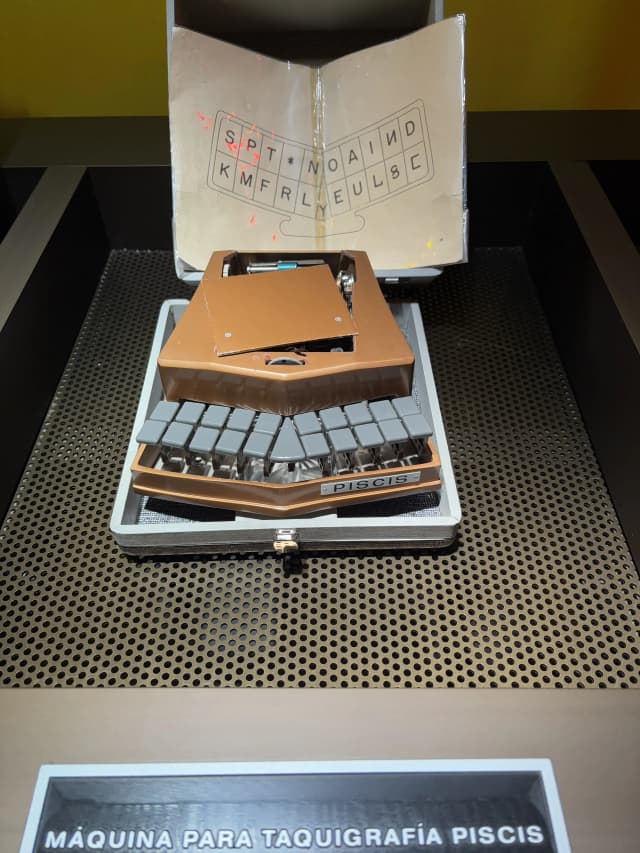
(311,335)
(258,341)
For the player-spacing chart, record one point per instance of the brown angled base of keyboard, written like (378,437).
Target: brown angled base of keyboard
(280,357)
(278,500)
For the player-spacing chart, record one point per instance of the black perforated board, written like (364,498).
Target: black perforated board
(539,591)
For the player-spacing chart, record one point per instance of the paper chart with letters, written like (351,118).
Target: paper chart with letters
(366,152)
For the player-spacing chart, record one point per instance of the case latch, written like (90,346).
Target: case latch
(286,544)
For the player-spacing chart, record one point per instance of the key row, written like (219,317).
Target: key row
(249,440)
(287,445)
(403,409)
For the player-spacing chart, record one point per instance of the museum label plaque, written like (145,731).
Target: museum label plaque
(341,807)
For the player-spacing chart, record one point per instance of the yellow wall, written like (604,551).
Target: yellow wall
(551,54)
(82,57)
(73,58)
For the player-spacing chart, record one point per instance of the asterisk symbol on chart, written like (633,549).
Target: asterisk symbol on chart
(290,161)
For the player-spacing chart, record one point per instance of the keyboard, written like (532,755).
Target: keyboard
(267,464)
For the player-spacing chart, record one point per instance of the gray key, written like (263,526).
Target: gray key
(151,432)
(287,447)
(315,446)
(267,423)
(164,411)
(204,440)
(333,418)
(258,445)
(306,423)
(215,416)
(393,431)
(241,419)
(230,442)
(417,426)
(358,413)
(382,410)
(405,406)
(369,435)
(177,435)
(190,412)
(342,440)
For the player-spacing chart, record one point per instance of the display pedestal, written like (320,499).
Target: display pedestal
(590,737)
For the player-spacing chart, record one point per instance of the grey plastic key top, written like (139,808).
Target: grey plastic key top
(333,418)
(164,411)
(369,435)
(405,406)
(287,447)
(342,440)
(151,432)
(382,410)
(241,419)
(215,416)
(230,442)
(358,413)
(177,435)
(417,426)
(393,430)
(315,446)
(258,444)
(204,440)
(267,423)
(306,423)
(190,412)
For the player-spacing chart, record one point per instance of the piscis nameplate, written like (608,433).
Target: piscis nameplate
(364,483)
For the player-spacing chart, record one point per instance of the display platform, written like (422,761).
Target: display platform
(534,346)
(539,591)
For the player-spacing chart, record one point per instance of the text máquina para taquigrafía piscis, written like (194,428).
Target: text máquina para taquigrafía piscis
(302,838)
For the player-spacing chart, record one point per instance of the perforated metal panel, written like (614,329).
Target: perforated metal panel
(540,590)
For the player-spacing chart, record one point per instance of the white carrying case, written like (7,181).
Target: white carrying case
(144,526)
